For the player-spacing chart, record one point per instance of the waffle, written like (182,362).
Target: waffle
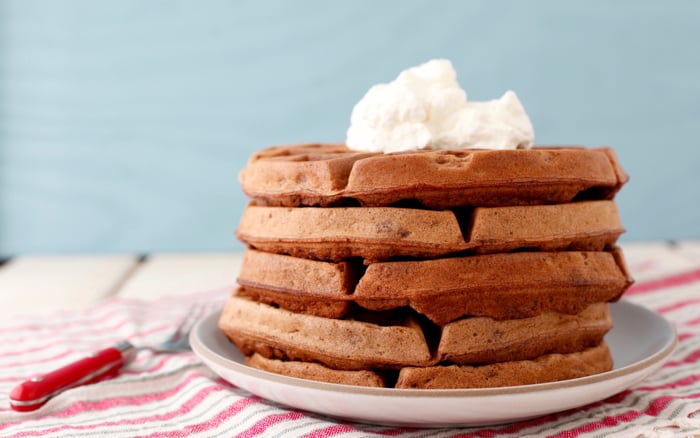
(339,344)
(381,233)
(330,174)
(300,285)
(428,269)
(467,341)
(393,341)
(316,371)
(547,368)
(501,286)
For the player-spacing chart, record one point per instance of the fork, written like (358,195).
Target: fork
(99,365)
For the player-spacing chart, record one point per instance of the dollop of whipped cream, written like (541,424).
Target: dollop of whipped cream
(424,107)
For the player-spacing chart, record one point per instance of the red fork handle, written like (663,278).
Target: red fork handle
(33,393)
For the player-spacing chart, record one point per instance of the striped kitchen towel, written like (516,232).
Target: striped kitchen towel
(175,395)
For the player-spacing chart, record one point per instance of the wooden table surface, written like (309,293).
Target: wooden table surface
(47,283)
(34,284)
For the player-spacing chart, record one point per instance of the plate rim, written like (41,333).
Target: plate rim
(647,362)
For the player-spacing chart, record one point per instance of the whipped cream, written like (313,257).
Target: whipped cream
(424,107)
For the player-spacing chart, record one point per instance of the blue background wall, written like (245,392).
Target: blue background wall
(123,124)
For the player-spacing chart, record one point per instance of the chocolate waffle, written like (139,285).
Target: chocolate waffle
(316,371)
(300,285)
(330,174)
(391,341)
(547,368)
(381,233)
(486,340)
(501,286)
(428,269)
(503,353)
(339,344)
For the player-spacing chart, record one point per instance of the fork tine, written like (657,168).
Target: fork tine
(179,339)
(177,333)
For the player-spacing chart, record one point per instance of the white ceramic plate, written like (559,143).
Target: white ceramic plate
(640,342)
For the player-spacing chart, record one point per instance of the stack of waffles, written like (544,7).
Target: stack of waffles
(428,269)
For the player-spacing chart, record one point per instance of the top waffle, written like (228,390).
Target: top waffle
(328,175)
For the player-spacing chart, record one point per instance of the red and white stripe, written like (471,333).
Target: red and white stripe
(176,396)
